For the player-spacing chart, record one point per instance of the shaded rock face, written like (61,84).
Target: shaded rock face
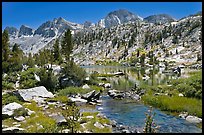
(25,31)
(67,81)
(46,30)
(32,93)
(119,17)
(160,18)
(12,30)
(87,24)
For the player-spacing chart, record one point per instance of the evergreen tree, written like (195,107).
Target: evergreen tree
(5,46)
(30,61)
(5,51)
(16,59)
(67,45)
(56,51)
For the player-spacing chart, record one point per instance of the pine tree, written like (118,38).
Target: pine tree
(5,51)
(30,61)
(5,46)
(56,51)
(67,45)
(16,59)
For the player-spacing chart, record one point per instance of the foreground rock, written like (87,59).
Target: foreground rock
(36,93)
(193,119)
(12,130)
(8,110)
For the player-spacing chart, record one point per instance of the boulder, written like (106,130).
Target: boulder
(107,85)
(19,118)
(60,120)
(8,109)
(30,94)
(89,96)
(119,73)
(100,108)
(37,77)
(97,96)
(12,130)
(120,95)
(86,86)
(101,84)
(193,119)
(112,93)
(89,117)
(125,131)
(136,97)
(183,115)
(77,99)
(98,125)
(65,131)
(180,95)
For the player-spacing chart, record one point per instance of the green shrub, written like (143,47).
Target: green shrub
(8,98)
(48,79)
(20,112)
(32,125)
(71,91)
(27,79)
(175,104)
(7,85)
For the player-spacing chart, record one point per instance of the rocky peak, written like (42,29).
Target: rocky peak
(12,30)
(118,17)
(87,24)
(160,18)
(25,31)
(46,29)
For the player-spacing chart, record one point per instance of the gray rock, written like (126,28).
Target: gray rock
(37,77)
(89,117)
(89,96)
(9,108)
(65,131)
(98,125)
(180,95)
(125,131)
(120,95)
(107,85)
(19,118)
(100,108)
(32,93)
(136,97)
(193,119)
(12,130)
(112,93)
(97,96)
(86,86)
(60,119)
(183,115)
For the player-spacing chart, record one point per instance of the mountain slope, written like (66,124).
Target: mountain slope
(118,17)
(160,18)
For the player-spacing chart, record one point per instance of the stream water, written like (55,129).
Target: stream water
(132,114)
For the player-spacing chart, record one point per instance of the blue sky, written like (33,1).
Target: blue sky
(34,14)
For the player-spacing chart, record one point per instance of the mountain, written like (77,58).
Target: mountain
(12,31)
(108,39)
(56,27)
(118,17)
(178,42)
(25,31)
(31,40)
(160,18)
